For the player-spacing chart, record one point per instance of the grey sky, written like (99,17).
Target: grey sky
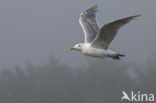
(33,30)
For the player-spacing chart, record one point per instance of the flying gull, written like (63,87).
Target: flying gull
(98,39)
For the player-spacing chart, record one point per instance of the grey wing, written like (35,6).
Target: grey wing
(88,23)
(108,31)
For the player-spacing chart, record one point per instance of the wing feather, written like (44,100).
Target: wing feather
(108,31)
(88,23)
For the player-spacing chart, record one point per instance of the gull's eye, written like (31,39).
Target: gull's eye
(79,45)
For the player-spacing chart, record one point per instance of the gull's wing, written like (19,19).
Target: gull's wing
(108,31)
(88,23)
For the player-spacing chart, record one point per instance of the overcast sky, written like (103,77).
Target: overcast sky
(31,31)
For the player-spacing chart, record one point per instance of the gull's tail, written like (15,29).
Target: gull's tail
(117,57)
(121,55)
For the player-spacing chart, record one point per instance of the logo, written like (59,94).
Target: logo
(137,97)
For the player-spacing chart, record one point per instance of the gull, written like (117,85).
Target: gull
(98,39)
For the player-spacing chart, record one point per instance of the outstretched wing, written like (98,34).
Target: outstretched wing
(88,23)
(108,31)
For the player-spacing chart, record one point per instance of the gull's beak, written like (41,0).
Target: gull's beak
(72,48)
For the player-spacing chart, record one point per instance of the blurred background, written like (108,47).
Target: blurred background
(36,65)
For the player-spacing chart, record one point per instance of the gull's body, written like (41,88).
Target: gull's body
(88,50)
(97,39)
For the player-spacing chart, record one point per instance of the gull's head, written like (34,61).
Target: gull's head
(77,47)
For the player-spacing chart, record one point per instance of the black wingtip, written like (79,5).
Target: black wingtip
(135,16)
(138,15)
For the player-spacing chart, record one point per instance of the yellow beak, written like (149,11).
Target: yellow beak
(72,48)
